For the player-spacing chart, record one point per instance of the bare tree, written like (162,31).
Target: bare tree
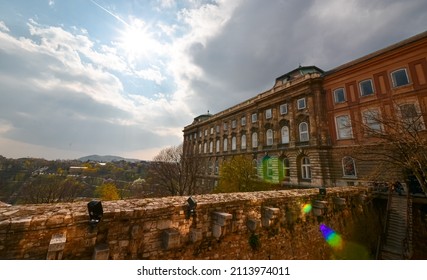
(175,174)
(399,140)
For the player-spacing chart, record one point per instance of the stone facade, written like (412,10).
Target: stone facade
(303,131)
(261,225)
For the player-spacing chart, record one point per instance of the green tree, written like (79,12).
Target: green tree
(107,191)
(239,175)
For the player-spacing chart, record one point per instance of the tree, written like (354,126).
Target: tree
(239,175)
(107,191)
(173,173)
(399,141)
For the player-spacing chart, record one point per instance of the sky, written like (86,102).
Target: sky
(123,78)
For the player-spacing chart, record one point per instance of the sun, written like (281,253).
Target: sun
(137,41)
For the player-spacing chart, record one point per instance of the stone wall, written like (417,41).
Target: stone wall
(261,225)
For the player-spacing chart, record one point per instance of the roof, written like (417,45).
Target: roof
(300,71)
(410,40)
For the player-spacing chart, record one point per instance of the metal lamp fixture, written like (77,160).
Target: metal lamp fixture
(191,208)
(95,211)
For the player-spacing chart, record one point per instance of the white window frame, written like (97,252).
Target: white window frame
(362,92)
(344,164)
(337,93)
(371,119)
(254,117)
(284,109)
(301,103)
(243,142)
(344,129)
(284,132)
(304,134)
(254,140)
(394,80)
(233,143)
(225,145)
(305,168)
(269,137)
(268,113)
(243,121)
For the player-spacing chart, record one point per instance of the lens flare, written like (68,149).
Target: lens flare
(332,238)
(307,208)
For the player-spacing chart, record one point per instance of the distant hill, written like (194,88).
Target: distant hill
(107,158)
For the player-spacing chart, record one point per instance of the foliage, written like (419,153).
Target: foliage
(239,175)
(107,191)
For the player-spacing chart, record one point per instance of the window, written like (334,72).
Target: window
(411,116)
(366,87)
(284,109)
(205,148)
(225,145)
(217,146)
(210,146)
(217,129)
(216,171)
(243,121)
(206,132)
(233,143)
(269,135)
(303,132)
(200,133)
(225,126)
(254,140)
(286,169)
(254,117)
(200,148)
(348,167)
(301,103)
(339,95)
(212,130)
(243,142)
(268,114)
(233,124)
(399,78)
(372,120)
(269,168)
(344,130)
(305,168)
(285,135)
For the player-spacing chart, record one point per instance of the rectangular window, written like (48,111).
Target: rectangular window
(254,117)
(206,132)
(233,124)
(399,78)
(268,114)
(372,120)
(243,121)
(339,95)
(212,130)
(217,129)
(366,87)
(284,109)
(225,126)
(301,103)
(411,117)
(344,130)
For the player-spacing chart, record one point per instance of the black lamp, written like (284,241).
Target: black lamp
(191,209)
(322,191)
(95,211)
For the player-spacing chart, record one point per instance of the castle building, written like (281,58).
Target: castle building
(301,132)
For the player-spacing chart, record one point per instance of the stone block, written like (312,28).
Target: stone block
(195,235)
(221,218)
(170,239)
(253,224)
(56,247)
(216,231)
(101,252)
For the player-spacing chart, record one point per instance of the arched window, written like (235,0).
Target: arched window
(285,134)
(225,146)
(285,165)
(348,167)
(254,140)
(303,132)
(269,137)
(210,146)
(305,168)
(200,148)
(217,146)
(205,148)
(233,143)
(243,142)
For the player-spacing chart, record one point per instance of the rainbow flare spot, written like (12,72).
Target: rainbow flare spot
(331,237)
(307,208)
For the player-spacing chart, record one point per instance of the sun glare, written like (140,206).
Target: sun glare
(137,42)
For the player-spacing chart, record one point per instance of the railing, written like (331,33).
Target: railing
(407,241)
(383,234)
